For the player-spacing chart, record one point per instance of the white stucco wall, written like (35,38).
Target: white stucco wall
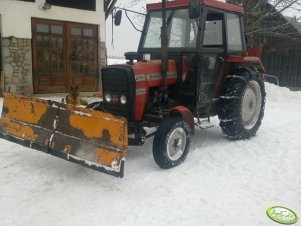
(16,17)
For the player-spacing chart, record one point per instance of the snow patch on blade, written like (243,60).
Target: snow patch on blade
(114,168)
(82,113)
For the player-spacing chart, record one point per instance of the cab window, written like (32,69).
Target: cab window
(213,35)
(234,36)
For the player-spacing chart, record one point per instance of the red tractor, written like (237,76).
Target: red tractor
(191,63)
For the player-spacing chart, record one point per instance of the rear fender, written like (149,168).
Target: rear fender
(248,61)
(233,62)
(185,114)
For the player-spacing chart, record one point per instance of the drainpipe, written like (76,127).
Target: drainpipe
(164,43)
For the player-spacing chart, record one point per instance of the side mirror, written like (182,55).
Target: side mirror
(194,9)
(117,17)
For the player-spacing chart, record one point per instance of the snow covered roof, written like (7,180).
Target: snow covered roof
(295,23)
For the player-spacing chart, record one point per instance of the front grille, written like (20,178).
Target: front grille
(119,80)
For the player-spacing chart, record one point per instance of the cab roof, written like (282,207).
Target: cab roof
(185,3)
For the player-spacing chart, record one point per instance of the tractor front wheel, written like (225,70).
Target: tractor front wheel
(242,104)
(171,142)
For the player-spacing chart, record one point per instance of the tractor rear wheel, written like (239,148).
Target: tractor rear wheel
(171,142)
(242,104)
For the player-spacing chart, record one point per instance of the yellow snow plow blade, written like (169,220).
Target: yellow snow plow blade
(95,139)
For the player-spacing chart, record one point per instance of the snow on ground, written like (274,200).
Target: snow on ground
(221,183)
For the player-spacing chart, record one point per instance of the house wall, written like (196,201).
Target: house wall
(17,65)
(281,57)
(17,34)
(284,63)
(16,16)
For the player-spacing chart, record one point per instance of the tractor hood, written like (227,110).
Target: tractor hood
(149,73)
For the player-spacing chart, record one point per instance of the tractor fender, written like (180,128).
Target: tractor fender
(247,61)
(234,62)
(185,114)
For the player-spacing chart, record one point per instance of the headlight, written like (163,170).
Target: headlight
(108,97)
(123,99)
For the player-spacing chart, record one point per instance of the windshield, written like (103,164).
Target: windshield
(182,31)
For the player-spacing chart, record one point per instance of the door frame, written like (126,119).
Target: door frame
(205,52)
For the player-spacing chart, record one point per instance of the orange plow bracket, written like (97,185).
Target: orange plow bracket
(94,139)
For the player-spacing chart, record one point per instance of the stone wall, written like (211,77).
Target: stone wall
(17,65)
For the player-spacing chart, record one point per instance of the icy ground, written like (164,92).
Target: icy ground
(221,183)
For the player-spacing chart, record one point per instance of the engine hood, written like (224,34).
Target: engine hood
(150,72)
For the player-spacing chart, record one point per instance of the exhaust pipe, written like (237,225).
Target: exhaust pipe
(164,49)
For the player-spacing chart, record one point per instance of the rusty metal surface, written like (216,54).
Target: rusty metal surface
(95,139)
(27,118)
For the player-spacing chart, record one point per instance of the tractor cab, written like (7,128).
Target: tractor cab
(200,36)
(214,25)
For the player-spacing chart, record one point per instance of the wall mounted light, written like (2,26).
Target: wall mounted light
(46,6)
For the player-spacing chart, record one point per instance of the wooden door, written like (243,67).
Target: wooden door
(64,54)
(82,56)
(49,56)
